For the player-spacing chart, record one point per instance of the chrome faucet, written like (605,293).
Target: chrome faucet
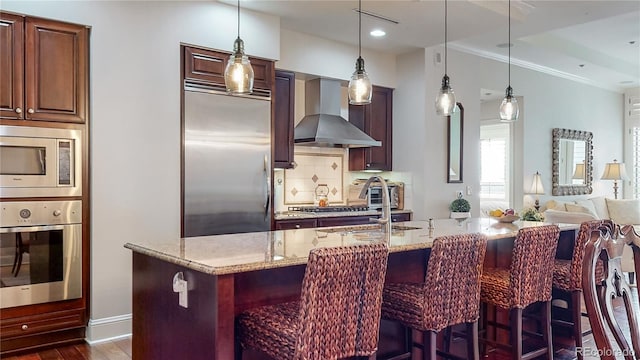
(385,218)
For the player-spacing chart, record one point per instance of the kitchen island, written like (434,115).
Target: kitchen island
(227,274)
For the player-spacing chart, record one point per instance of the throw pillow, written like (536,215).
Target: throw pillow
(557,216)
(556,205)
(625,211)
(582,209)
(590,206)
(600,204)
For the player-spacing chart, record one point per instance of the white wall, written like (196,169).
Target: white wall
(550,102)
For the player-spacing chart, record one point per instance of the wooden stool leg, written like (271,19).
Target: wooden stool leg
(546,328)
(576,300)
(447,339)
(515,318)
(429,345)
(473,349)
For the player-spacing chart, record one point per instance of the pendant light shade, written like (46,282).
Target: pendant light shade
(360,88)
(509,109)
(238,75)
(446,99)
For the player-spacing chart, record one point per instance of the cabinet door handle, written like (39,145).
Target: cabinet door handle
(25,327)
(30,111)
(18,111)
(368,165)
(297,226)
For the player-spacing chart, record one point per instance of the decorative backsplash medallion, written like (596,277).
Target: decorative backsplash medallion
(313,169)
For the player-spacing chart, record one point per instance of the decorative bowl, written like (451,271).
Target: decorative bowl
(507,218)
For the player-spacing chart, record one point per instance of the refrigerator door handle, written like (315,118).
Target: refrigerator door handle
(267,177)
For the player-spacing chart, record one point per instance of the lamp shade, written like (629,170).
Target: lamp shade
(536,185)
(578,173)
(614,171)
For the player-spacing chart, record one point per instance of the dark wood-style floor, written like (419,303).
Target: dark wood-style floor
(564,348)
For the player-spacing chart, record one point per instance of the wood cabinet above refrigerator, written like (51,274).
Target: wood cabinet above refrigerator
(44,64)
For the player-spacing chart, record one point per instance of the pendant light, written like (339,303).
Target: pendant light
(238,75)
(360,88)
(509,110)
(446,99)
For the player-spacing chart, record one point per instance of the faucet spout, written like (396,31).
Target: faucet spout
(385,218)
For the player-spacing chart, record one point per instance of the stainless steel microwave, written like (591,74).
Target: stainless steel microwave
(374,195)
(37,161)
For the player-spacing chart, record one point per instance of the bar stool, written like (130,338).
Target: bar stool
(337,316)
(527,281)
(450,294)
(567,277)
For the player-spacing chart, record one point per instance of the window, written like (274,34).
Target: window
(632,121)
(494,158)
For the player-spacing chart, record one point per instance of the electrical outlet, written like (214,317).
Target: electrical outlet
(459,193)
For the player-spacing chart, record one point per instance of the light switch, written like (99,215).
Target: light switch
(469,190)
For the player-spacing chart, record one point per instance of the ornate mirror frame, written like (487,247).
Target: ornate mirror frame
(576,135)
(455,127)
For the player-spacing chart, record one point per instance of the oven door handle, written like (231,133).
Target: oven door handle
(17,229)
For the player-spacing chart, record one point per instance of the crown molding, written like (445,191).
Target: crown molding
(533,66)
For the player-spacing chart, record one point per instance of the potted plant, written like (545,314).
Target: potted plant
(460,208)
(531,214)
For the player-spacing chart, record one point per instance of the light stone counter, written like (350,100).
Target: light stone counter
(235,253)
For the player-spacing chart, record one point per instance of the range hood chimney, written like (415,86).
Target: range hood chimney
(323,125)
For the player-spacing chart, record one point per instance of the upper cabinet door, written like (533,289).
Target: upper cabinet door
(283,119)
(11,66)
(375,119)
(56,71)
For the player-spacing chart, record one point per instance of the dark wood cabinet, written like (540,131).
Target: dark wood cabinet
(290,224)
(375,119)
(283,119)
(206,67)
(11,66)
(44,67)
(401,217)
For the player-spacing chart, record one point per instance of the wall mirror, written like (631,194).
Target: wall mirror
(572,162)
(454,145)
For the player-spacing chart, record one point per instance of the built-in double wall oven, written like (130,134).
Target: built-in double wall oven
(40,239)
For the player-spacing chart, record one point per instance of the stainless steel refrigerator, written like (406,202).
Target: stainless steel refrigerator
(227,156)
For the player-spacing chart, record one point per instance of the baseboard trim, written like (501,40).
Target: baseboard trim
(108,329)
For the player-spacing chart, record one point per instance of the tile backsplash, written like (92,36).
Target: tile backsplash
(294,187)
(313,169)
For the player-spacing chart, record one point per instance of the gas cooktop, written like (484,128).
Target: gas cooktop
(323,209)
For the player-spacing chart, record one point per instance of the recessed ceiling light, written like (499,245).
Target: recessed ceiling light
(581,65)
(504,45)
(626,82)
(377,33)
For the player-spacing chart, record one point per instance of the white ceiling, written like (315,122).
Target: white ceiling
(548,35)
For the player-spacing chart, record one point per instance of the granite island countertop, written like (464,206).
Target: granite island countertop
(288,215)
(235,253)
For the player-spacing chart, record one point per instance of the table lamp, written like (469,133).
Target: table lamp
(537,189)
(614,171)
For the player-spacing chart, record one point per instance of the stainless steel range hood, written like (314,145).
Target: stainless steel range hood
(323,125)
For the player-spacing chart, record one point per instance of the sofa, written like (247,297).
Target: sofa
(620,211)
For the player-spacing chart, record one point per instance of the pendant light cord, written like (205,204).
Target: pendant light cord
(238,18)
(509,45)
(445,37)
(359,28)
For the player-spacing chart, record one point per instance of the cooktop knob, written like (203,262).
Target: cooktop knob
(57,212)
(25,213)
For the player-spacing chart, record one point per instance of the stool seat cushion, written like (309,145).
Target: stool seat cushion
(271,324)
(404,302)
(562,274)
(495,287)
